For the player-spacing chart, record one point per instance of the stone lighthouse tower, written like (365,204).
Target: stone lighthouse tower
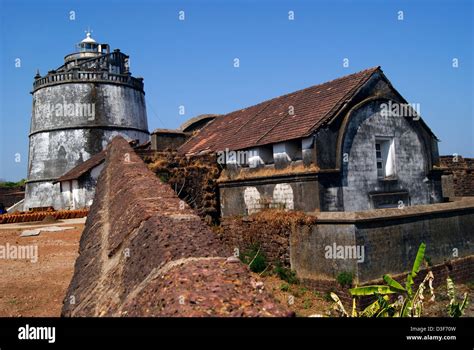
(77,109)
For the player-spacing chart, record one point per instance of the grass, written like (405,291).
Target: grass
(345,279)
(284,287)
(286,274)
(247,173)
(278,217)
(254,258)
(307,303)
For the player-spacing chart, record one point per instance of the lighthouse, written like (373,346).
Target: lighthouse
(77,109)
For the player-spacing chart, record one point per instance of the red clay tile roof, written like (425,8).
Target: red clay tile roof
(269,121)
(83,168)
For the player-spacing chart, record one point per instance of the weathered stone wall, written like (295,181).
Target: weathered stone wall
(462,172)
(349,189)
(62,139)
(167,140)
(292,192)
(269,230)
(412,164)
(144,252)
(389,237)
(114,105)
(52,154)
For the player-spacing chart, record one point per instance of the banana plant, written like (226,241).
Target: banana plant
(379,308)
(409,303)
(455,309)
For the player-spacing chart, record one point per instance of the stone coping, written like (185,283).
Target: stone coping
(461,204)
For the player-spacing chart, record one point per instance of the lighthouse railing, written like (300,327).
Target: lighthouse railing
(88,76)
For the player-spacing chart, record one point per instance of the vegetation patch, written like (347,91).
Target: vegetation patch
(10,184)
(393,299)
(286,274)
(254,258)
(345,279)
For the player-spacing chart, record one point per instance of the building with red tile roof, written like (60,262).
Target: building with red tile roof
(353,143)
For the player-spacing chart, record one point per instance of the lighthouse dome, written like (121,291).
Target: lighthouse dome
(88,39)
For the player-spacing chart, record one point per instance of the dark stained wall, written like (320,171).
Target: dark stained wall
(390,239)
(295,192)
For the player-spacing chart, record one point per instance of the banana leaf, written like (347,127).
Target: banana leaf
(371,310)
(419,259)
(406,308)
(416,267)
(372,290)
(464,303)
(385,307)
(393,284)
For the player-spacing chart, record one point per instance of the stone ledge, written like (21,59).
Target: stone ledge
(463,204)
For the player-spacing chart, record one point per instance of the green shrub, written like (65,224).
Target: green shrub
(286,274)
(254,258)
(345,279)
(284,287)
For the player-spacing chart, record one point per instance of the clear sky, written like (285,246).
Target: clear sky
(191,62)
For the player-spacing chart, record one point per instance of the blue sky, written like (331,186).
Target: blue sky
(190,62)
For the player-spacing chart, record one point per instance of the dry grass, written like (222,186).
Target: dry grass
(157,165)
(303,301)
(283,218)
(267,172)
